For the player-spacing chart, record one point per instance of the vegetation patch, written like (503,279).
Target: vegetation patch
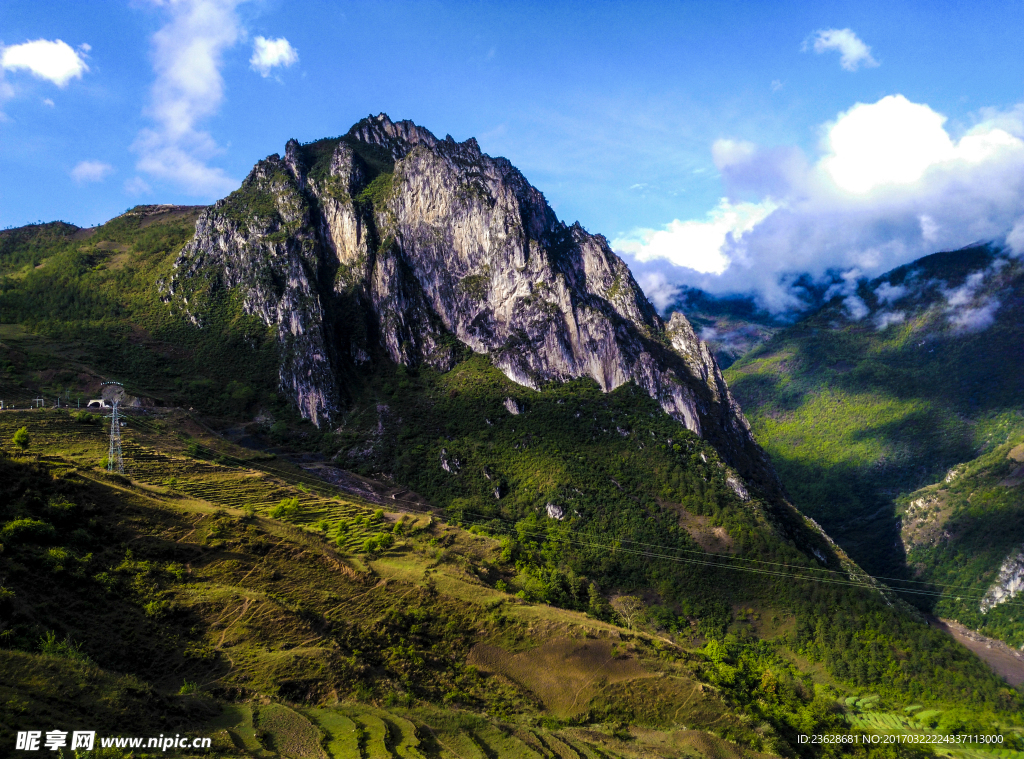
(378,192)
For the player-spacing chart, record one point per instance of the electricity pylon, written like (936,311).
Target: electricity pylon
(114,458)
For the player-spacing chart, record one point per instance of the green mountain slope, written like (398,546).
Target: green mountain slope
(961,532)
(210,570)
(203,553)
(253,606)
(90,299)
(857,411)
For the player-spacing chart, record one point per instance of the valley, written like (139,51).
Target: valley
(895,430)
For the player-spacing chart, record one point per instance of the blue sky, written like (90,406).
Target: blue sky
(706,140)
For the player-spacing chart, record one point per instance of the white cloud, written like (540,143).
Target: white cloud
(853,53)
(48,102)
(55,61)
(977,318)
(137,186)
(887,293)
(658,289)
(889,142)
(964,294)
(269,53)
(187,57)
(890,185)
(885,318)
(1015,238)
(929,229)
(91,171)
(697,245)
(855,307)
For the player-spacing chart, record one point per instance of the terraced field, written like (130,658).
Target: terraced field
(915,721)
(158,458)
(357,731)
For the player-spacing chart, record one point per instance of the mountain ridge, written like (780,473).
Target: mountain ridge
(566,509)
(450,243)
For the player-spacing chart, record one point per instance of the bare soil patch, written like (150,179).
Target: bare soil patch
(712,539)
(110,245)
(565,674)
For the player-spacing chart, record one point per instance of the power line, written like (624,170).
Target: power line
(723,561)
(706,559)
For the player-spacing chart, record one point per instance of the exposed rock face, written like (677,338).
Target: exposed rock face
(262,241)
(555,512)
(1009,583)
(390,241)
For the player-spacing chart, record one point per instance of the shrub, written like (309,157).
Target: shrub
(279,432)
(65,649)
(378,543)
(27,530)
(159,609)
(287,509)
(21,438)
(379,191)
(60,558)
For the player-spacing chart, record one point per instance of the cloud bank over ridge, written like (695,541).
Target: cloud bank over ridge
(890,184)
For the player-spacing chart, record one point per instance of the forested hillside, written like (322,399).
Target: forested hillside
(522,521)
(895,388)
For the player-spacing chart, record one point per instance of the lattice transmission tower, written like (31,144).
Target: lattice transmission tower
(115,461)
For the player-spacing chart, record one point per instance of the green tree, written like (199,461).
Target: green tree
(631,610)
(21,438)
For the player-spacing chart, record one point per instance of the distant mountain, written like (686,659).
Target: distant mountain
(887,388)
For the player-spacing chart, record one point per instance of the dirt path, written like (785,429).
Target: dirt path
(1005,661)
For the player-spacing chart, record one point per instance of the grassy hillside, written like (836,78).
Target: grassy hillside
(88,304)
(253,606)
(572,574)
(857,411)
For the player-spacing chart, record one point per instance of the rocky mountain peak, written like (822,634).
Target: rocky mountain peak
(388,243)
(398,137)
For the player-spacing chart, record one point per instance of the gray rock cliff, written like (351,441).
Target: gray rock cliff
(391,242)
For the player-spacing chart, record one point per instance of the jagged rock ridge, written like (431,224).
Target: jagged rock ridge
(1008,584)
(389,240)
